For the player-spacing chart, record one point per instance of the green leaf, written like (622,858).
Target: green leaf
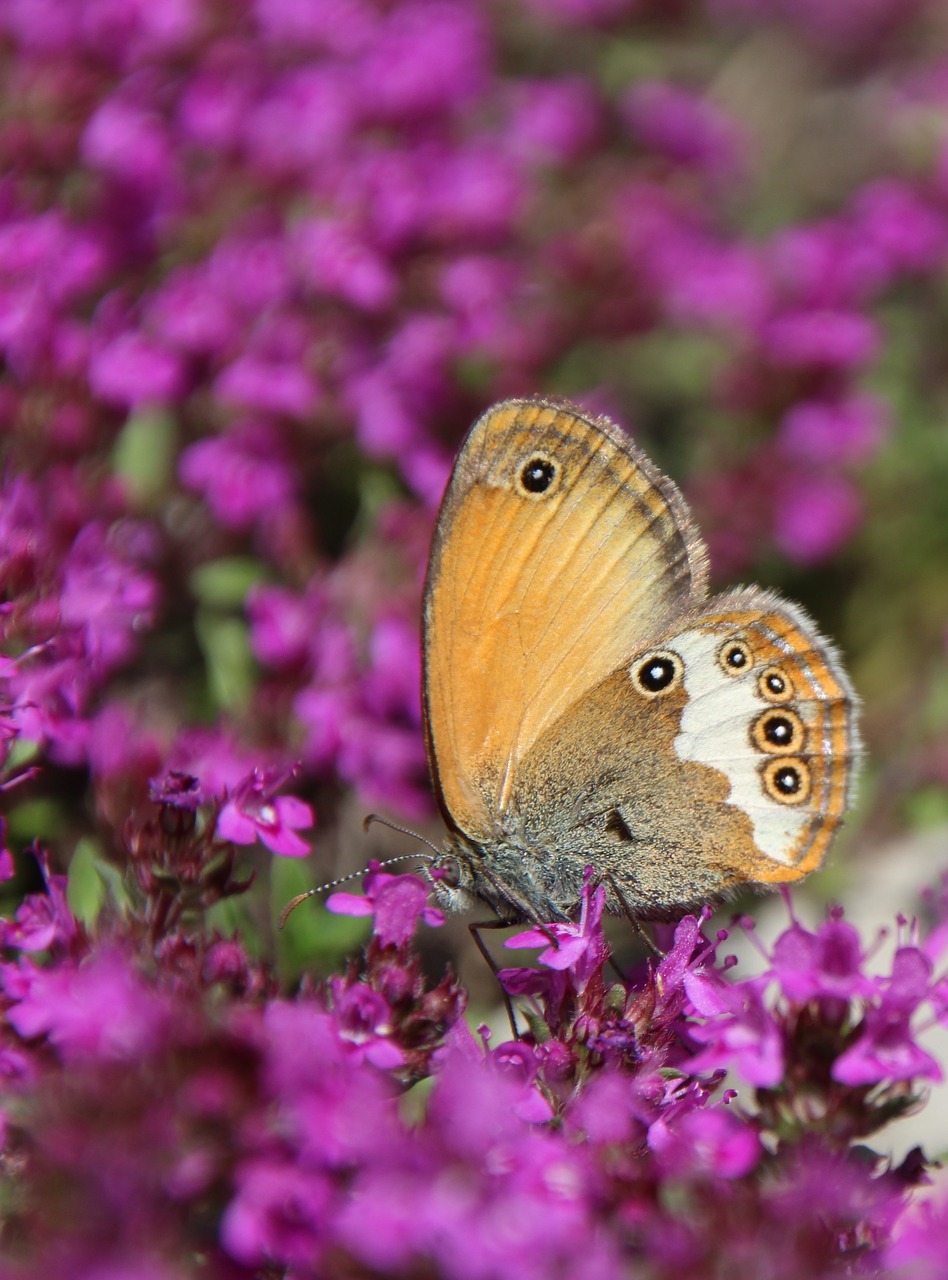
(91,882)
(224,583)
(231,670)
(143,456)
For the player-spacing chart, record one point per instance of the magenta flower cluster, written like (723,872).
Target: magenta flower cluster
(168,1113)
(235,240)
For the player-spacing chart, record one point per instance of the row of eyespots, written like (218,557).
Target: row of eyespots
(779,735)
(782,734)
(735,657)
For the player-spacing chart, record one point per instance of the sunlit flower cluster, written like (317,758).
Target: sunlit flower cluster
(165,1103)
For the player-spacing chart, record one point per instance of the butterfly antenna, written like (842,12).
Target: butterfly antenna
(356,875)
(371,818)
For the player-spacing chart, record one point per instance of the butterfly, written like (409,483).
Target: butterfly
(586,703)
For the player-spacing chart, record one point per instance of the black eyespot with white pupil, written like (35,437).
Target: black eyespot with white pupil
(657,673)
(735,657)
(774,685)
(778,730)
(537,475)
(787,780)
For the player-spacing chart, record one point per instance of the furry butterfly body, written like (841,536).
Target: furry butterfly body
(586,702)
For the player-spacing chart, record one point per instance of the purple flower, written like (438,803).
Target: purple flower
(105,595)
(282,624)
(253,812)
(579,947)
(365,1026)
(554,120)
(886,1048)
(429,57)
(741,1031)
(707,1141)
(814,515)
(343,26)
(213,756)
(822,338)
(684,128)
(277,1213)
(827,962)
(834,432)
(132,370)
(918,1248)
(334,260)
(909,232)
(176,789)
(132,144)
(268,385)
(43,921)
(396,902)
(99,1011)
(243,475)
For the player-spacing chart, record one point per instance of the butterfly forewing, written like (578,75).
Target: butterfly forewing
(559,549)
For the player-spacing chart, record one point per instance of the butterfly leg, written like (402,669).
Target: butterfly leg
(474,930)
(632,918)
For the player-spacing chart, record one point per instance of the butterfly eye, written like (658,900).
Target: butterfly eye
(537,476)
(787,780)
(448,872)
(774,685)
(735,657)
(778,732)
(659,672)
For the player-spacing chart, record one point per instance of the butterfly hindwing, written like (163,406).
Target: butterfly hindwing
(722,755)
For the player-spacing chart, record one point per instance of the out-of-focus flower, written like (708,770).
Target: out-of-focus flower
(833,433)
(813,515)
(242,475)
(254,812)
(683,128)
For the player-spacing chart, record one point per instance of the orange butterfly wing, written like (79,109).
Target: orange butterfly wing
(536,594)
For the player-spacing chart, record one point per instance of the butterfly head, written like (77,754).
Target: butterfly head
(453,877)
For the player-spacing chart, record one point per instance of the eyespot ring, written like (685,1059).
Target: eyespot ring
(787,780)
(538,477)
(775,685)
(778,732)
(735,657)
(657,673)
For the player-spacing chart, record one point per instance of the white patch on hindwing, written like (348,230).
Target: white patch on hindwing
(716,731)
